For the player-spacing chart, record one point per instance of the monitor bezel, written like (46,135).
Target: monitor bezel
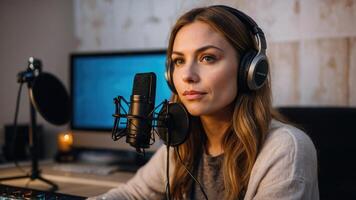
(100,54)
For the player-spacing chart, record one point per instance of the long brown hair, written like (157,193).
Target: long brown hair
(251,117)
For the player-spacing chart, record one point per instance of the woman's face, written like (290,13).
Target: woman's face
(205,69)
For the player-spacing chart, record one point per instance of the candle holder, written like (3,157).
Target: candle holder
(65,151)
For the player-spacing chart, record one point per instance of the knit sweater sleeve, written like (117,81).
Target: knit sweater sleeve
(286,167)
(148,182)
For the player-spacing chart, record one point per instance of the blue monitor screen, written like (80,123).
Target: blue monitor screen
(97,78)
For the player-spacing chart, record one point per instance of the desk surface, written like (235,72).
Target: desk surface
(69,183)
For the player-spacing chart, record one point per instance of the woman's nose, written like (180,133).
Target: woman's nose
(191,74)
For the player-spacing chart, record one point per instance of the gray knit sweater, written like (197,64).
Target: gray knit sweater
(286,168)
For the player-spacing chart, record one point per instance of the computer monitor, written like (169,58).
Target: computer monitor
(96,78)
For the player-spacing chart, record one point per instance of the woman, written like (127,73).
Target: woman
(239,147)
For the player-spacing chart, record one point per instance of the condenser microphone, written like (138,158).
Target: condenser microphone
(140,116)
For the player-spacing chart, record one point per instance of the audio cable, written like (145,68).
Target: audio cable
(12,146)
(200,186)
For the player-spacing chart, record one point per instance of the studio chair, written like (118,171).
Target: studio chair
(333,132)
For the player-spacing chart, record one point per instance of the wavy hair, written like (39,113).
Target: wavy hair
(251,116)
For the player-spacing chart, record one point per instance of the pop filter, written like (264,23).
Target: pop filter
(50,98)
(175,122)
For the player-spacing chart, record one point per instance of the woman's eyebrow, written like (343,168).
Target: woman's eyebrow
(201,49)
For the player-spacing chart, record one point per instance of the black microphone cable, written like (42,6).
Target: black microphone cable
(168,187)
(12,146)
(196,180)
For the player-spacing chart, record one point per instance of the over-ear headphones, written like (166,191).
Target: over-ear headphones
(253,68)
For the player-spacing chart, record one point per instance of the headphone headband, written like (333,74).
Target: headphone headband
(249,22)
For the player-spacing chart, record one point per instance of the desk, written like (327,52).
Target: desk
(68,183)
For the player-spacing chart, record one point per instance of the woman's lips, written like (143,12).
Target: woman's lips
(193,95)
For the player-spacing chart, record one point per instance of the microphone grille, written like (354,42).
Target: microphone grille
(144,84)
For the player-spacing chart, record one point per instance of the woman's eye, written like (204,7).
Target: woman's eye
(208,59)
(178,61)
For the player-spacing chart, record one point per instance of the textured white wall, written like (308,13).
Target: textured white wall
(112,25)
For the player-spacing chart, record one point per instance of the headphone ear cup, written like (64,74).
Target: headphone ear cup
(243,69)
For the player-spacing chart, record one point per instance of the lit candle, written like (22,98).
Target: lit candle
(65,141)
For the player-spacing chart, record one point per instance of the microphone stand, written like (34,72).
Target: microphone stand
(33,142)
